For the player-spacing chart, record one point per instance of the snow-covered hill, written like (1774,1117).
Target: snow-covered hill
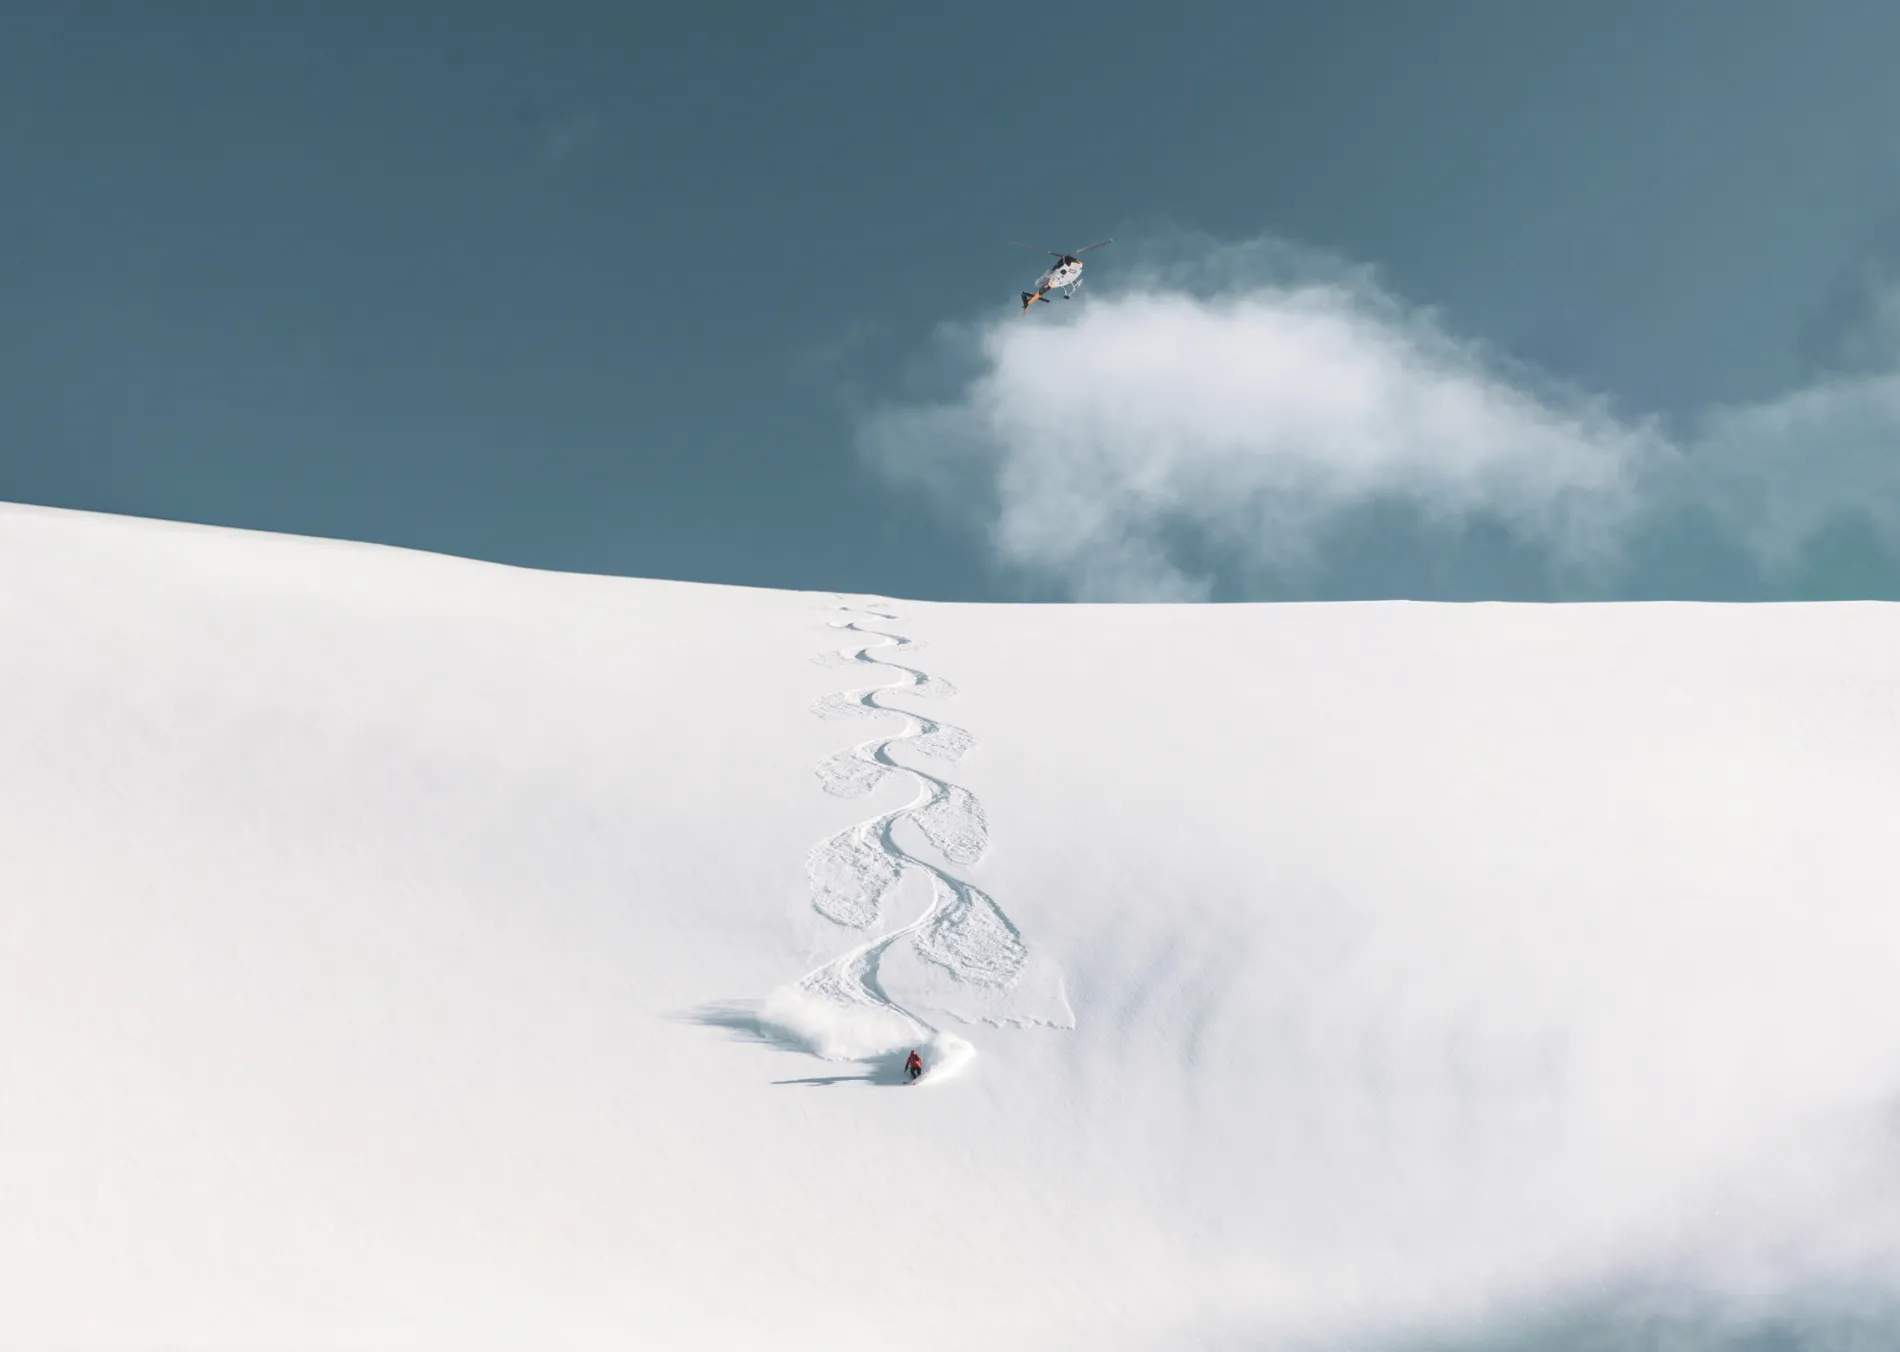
(398,951)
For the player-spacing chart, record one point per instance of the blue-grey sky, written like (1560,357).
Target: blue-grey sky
(643,289)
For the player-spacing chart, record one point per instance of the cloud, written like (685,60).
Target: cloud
(1255,422)
(1776,473)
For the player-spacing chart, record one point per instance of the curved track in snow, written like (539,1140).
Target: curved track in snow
(855,873)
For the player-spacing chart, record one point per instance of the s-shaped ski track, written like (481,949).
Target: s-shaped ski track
(962,932)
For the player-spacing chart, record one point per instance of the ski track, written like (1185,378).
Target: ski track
(854,873)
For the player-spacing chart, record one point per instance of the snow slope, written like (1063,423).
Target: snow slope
(398,951)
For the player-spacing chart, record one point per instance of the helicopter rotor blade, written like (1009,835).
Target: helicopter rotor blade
(1086,247)
(1032,248)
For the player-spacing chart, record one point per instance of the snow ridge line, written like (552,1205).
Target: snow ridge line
(963,932)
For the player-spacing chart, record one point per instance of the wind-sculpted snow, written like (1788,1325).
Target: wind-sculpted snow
(962,932)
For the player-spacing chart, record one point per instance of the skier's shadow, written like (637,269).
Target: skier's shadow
(884,1069)
(741,1019)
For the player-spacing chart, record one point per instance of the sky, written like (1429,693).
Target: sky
(1468,300)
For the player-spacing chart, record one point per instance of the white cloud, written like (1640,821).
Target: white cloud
(1109,448)
(1775,472)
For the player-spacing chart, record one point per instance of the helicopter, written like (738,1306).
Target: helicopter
(1065,276)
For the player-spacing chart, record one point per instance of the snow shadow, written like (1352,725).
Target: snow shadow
(887,1068)
(742,1019)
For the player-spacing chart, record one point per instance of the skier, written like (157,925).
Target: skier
(915,1066)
